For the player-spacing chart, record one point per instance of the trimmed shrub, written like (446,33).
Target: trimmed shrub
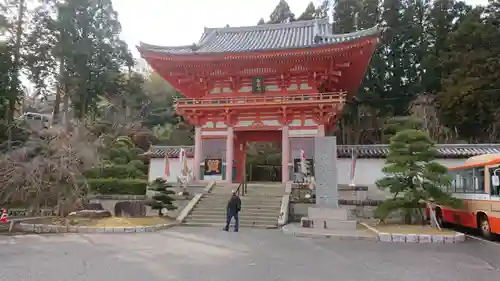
(118,186)
(115,171)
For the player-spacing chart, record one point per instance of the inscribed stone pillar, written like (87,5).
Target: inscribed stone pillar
(325,171)
(321,130)
(229,154)
(198,154)
(285,154)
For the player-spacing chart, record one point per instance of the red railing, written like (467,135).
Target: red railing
(337,97)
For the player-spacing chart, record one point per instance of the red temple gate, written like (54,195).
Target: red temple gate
(278,82)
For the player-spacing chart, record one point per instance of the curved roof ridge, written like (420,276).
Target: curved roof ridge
(357,33)
(151,46)
(265,37)
(267,26)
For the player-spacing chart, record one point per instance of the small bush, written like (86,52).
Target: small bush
(118,186)
(163,196)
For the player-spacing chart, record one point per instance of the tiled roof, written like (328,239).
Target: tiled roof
(362,151)
(300,34)
(157,151)
(444,150)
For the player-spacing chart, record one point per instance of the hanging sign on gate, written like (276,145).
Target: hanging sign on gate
(213,167)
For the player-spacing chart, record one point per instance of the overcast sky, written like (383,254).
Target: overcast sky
(181,22)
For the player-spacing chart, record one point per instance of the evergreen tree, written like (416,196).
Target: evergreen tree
(282,13)
(344,15)
(162,197)
(322,11)
(309,13)
(470,97)
(412,176)
(97,51)
(440,23)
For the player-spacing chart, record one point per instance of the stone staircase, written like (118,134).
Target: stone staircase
(260,207)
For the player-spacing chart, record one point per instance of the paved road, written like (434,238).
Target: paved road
(206,254)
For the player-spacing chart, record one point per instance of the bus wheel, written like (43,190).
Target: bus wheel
(484,226)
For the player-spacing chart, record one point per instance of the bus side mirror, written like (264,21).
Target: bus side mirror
(495,181)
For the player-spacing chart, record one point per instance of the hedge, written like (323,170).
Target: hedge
(118,186)
(115,171)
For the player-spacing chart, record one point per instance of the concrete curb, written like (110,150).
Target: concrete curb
(416,238)
(46,228)
(190,206)
(339,236)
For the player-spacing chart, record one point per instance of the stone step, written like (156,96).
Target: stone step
(251,217)
(210,195)
(242,212)
(221,225)
(241,221)
(249,198)
(251,192)
(243,204)
(244,208)
(248,202)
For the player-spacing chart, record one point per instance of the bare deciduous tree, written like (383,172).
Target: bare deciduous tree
(47,170)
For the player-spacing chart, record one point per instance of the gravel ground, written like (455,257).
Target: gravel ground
(207,254)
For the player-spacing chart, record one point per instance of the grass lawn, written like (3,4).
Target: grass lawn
(411,229)
(124,221)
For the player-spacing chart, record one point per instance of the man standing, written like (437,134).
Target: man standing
(233,207)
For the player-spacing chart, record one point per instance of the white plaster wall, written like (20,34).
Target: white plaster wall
(368,171)
(157,168)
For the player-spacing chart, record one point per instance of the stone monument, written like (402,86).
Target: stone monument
(327,214)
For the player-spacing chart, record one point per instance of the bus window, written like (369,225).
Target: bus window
(459,183)
(468,176)
(494,190)
(479,180)
(451,187)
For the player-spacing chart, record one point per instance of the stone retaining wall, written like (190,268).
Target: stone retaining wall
(417,238)
(421,238)
(44,228)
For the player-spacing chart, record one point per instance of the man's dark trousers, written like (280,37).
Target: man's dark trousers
(229,215)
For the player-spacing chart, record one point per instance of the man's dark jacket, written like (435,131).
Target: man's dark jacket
(234,204)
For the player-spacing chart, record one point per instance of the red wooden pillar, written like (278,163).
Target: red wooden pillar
(240,156)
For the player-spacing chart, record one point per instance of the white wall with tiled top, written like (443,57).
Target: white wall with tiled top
(157,168)
(368,171)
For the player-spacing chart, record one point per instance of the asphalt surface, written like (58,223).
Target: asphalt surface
(207,254)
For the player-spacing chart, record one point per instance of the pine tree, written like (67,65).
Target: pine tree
(322,11)
(309,13)
(162,197)
(282,13)
(344,15)
(412,176)
(469,98)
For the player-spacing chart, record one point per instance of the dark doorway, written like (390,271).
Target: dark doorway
(263,162)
